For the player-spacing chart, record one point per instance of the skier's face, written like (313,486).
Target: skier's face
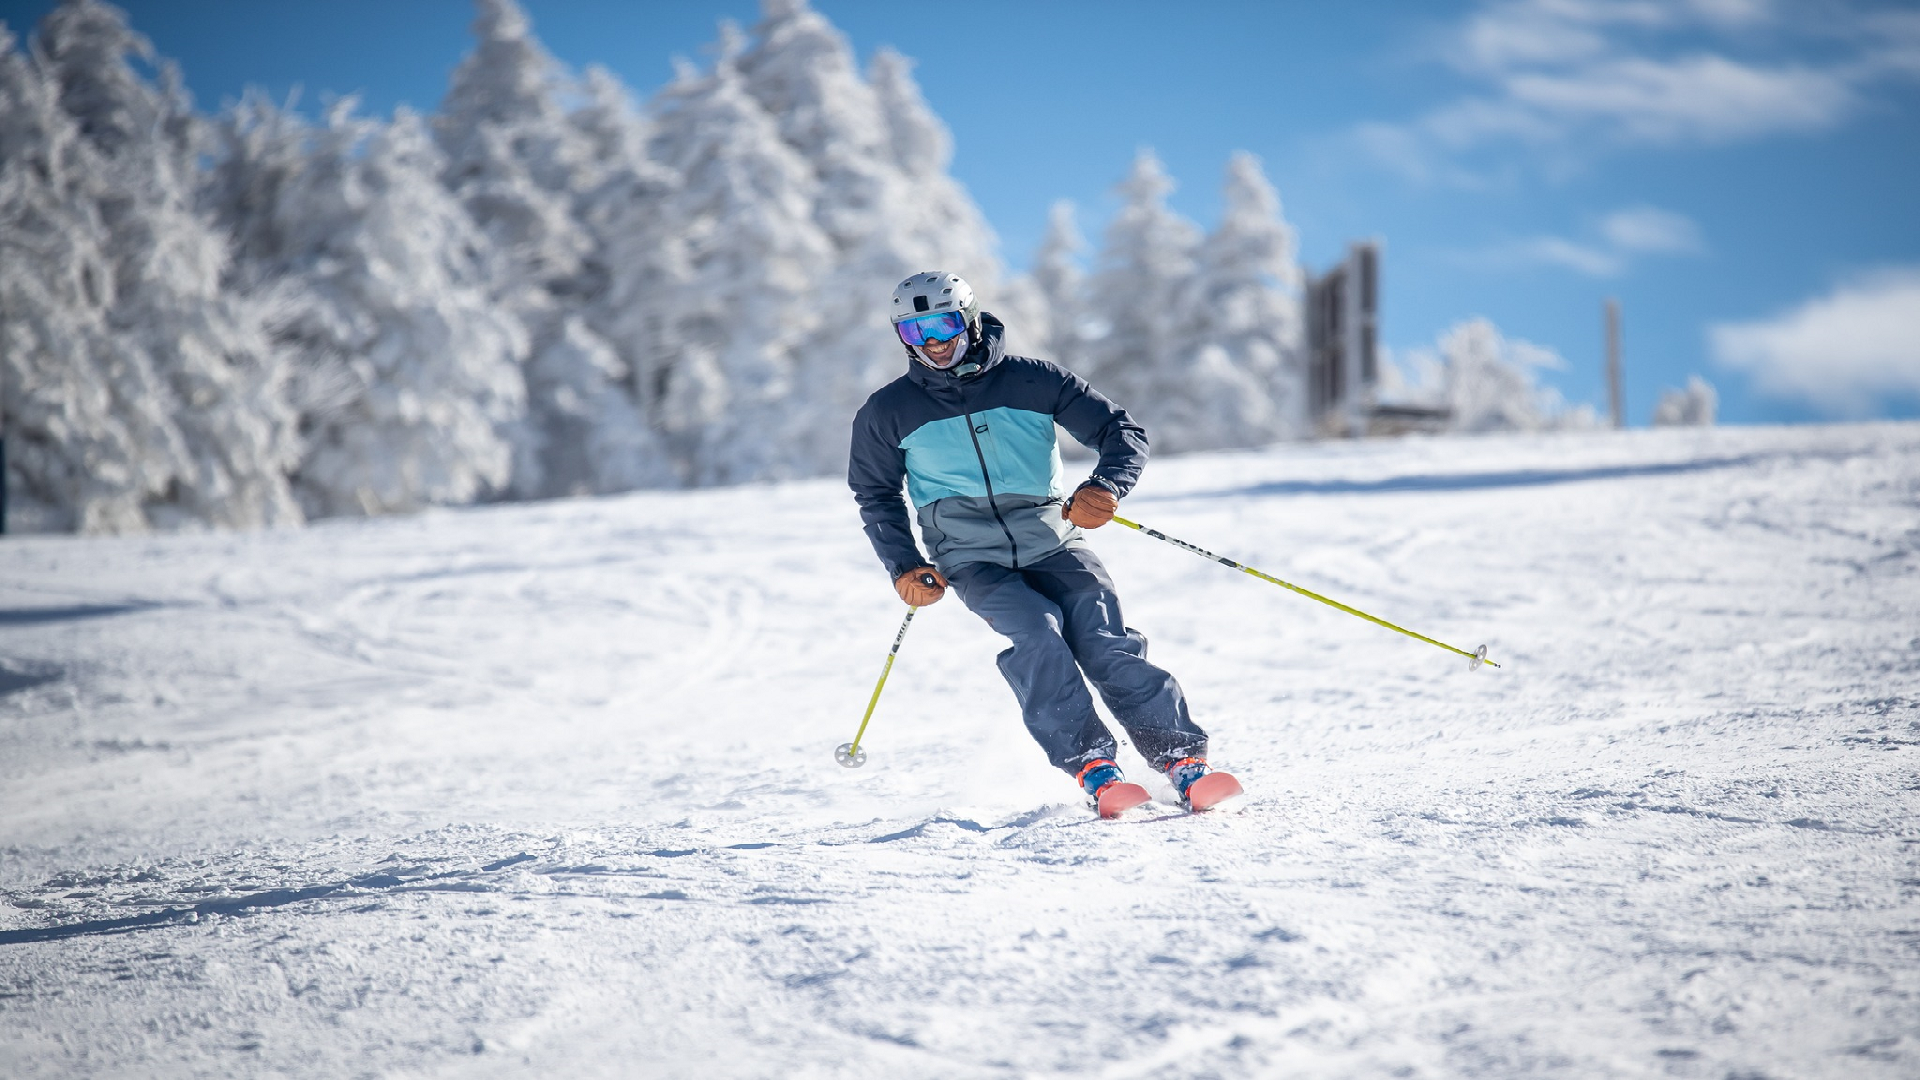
(940,353)
(938,336)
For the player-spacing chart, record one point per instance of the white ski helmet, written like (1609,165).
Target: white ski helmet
(935,290)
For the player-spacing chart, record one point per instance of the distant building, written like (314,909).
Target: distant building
(1343,307)
(1343,365)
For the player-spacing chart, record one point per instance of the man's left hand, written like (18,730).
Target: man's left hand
(1090,507)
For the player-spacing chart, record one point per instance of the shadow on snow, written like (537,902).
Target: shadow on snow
(359,887)
(1444,482)
(35,616)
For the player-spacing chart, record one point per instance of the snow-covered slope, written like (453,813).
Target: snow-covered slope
(548,789)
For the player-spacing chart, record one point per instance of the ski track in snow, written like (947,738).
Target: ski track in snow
(548,789)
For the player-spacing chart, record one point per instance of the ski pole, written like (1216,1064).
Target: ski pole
(850,754)
(1474,659)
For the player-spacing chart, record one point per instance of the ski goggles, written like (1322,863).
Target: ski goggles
(937,327)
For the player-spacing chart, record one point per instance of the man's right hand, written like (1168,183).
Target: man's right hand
(920,587)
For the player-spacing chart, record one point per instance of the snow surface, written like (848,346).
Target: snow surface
(547,789)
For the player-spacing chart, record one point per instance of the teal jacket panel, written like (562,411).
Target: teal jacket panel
(1012,450)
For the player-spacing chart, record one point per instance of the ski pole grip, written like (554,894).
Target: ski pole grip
(929,581)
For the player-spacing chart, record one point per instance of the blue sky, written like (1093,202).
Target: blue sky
(1739,173)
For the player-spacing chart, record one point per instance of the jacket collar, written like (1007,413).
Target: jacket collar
(986,353)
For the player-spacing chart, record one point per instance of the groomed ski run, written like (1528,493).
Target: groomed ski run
(549,789)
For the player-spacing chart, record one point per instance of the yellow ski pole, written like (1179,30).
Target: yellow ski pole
(1474,659)
(850,754)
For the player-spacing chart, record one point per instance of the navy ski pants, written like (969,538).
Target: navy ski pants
(1063,617)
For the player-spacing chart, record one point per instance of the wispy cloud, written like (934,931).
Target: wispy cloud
(1841,352)
(1651,230)
(1558,251)
(1700,98)
(1508,34)
(1564,79)
(1616,241)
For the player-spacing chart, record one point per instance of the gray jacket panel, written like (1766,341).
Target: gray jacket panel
(1008,530)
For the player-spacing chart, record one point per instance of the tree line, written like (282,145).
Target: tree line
(546,287)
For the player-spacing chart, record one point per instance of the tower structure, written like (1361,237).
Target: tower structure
(1615,394)
(1343,316)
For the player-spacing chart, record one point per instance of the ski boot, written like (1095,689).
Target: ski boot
(1200,786)
(1111,794)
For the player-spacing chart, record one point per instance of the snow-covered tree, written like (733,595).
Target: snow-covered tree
(1692,407)
(1199,337)
(521,168)
(933,221)
(802,72)
(931,216)
(882,195)
(511,156)
(88,437)
(187,370)
(1136,311)
(1485,380)
(1490,380)
(1243,320)
(406,371)
(744,319)
(634,266)
(1061,285)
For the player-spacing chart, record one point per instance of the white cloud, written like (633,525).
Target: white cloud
(1497,39)
(1893,45)
(1652,230)
(1696,98)
(1841,352)
(1556,251)
(1623,235)
(1567,79)
(1732,12)
(1517,32)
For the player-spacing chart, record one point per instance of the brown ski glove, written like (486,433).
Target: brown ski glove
(1090,507)
(914,589)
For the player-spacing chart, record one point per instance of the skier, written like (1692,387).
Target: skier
(970,430)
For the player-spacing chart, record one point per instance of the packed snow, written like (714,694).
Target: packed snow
(548,789)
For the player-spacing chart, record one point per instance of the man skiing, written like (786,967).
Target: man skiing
(970,432)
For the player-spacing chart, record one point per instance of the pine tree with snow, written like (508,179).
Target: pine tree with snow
(878,159)
(931,217)
(89,441)
(190,370)
(1145,274)
(801,70)
(1061,286)
(932,221)
(631,270)
(745,317)
(406,371)
(511,156)
(1490,383)
(1692,407)
(521,168)
(1243,380)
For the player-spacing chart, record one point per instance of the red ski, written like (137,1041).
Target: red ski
(1120,797)
(1211,790)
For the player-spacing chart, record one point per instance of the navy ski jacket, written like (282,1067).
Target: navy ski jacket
(978,457)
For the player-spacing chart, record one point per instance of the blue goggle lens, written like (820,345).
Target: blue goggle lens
(937,327)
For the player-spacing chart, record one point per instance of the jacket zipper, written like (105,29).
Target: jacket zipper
(1012,544)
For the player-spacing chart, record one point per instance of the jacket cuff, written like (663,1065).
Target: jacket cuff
(1101,481)
(894,572)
